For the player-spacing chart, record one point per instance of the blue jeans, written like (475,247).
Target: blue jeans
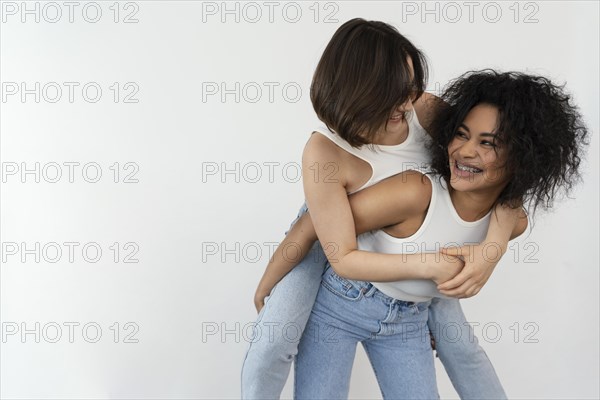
(269,357)
(393,332)
(466,363)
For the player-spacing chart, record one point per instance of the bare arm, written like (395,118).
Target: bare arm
(384,204)
(397,199)
(372,208)
(426,107)
(480,260)
(506,223)
(287,255)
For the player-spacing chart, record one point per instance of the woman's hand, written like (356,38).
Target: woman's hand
(506,224)
(259,298)
(480,261)
(300,238)
(441,267)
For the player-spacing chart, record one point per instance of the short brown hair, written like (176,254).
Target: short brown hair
(363,76)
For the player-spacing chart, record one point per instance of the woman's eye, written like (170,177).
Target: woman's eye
(488,144)
(461,134)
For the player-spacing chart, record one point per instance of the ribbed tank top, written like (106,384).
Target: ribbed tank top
(388,160)
(442,227)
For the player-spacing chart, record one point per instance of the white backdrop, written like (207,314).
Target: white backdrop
(150,154)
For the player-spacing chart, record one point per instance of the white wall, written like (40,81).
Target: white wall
(179,220)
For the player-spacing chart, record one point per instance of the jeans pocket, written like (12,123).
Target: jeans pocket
(340,286)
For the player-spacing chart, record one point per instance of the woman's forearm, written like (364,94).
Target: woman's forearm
(288,254)
(502,225)
(356,264)
(378,267)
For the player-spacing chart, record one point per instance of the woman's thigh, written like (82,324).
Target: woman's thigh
(279,326)
(401,354)
(341,317)
(326,351)
(395,334)
(288,306)
(465,361)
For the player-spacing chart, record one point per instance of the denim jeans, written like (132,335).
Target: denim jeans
(466,363)
(393,332)
(270,356)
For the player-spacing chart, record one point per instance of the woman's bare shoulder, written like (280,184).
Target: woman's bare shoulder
(426,107)
(320,148)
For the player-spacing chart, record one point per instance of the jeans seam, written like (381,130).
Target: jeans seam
(258,321)
(263,310)
(295,376)
(444,350)
(340,295)
(383,321)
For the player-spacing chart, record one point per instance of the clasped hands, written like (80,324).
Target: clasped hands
(461,272)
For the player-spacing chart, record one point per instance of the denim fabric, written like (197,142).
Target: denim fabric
(281,321)
(393,332)
(269,357)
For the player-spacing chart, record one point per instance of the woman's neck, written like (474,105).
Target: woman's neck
(471,206)
(385,138)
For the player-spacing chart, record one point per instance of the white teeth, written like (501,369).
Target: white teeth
(468,169)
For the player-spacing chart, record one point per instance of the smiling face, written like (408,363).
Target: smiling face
(476,156)
(397,123)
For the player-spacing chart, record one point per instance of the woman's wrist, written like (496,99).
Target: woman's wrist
(419,265)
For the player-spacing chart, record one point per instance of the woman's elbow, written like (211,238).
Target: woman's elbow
(342,270)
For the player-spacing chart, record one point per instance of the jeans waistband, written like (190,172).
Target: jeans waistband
(367,288)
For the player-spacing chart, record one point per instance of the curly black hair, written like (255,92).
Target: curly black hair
(538,125)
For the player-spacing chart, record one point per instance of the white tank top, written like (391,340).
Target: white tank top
(388,160)
(442,227)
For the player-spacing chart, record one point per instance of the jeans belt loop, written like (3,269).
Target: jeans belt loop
(369,290)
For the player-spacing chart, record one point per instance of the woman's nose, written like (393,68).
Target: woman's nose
(467,149)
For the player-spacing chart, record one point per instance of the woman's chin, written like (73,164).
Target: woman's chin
(463,183)
(396,128)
